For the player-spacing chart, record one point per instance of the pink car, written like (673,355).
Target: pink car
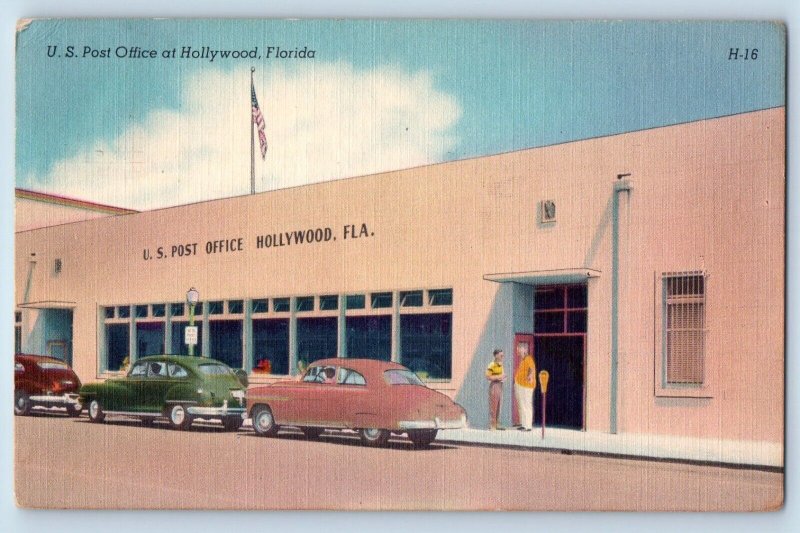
(376,398)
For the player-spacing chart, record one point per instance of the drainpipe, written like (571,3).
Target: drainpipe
(31,266)
(621,185)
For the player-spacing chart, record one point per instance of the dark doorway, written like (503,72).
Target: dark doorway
(563,357)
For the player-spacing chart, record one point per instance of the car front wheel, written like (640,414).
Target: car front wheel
(422,437)
(263,421)
(96,413)
(22,404)
(179,418)
(374,436)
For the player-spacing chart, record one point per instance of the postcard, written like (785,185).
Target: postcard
(399,264)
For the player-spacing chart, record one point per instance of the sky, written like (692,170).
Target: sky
(145,133)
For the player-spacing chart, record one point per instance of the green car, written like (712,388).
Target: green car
(178,388)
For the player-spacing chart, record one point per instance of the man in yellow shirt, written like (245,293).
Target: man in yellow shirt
(496,376)
(524,385)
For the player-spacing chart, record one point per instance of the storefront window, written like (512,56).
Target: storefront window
(426,344)
(271,343)
(226,342)
(178,336)
(149,338)
(316,338)
(369,337)
(117,345)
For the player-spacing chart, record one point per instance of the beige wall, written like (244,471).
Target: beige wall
(32,214)
(705,196)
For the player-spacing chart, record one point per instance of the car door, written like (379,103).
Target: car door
(125,394)
(154,389)
(349,398)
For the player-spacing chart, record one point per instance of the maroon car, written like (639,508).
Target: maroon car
(375,398)
(41,381)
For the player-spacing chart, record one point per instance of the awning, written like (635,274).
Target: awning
(545,277)
(47,304)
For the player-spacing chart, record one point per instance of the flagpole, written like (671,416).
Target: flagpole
(252,140)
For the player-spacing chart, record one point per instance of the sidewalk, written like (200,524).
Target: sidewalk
(729,452)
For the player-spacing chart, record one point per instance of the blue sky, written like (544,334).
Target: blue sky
(378,95)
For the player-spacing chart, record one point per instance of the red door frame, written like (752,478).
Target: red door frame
(518,339)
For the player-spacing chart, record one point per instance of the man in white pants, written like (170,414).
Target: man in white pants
(524,385)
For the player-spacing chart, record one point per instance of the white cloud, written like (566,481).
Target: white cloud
(323,121)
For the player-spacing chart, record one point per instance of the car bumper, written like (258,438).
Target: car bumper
(436,423)
(217,411)
(53,400)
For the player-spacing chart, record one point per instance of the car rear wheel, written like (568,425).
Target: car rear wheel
(74,409)
(422,437)
(312,433)
(22,404)
(179,418)
(374,436)
(263,421)
(232,423)
(96,413)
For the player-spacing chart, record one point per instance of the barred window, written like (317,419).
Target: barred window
(684,329)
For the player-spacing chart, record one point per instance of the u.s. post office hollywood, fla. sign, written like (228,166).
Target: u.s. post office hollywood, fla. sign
(265,241)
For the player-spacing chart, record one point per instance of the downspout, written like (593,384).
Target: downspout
(29,282)
(621,185)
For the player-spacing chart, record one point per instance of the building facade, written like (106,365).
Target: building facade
(645,271)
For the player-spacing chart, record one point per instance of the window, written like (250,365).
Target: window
(271,343)
(683,319)
(141,311)
(149,338)
(304,303)
(157,370)
(109,312)
(369,337)
(317,338)
(411,299)
(159,310)
(426,344)
(117,345)
(328,302)
(177,371)
(215,308)
(560,309)
(355,301)
(139,369)
(177,309)
(236,307)
(179,347)
(226,342)
(123,311)
(280,305)
(351,377)
(440,297)
(260,305)
(381,300)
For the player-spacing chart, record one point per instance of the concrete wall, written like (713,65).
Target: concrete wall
(705,196)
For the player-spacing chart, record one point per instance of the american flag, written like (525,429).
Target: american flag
(258,120)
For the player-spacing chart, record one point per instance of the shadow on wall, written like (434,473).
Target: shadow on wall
(498,332)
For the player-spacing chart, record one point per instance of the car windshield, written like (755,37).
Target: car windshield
(401,377)
(214,369)
(51,365)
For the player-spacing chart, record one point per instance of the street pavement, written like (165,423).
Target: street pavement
(64,462)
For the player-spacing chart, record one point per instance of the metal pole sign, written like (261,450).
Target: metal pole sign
(190,335)
(544,377)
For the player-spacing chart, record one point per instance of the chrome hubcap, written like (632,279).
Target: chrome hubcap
(21,402)
(371,433)
(264,420)
(93,409)
(178,414)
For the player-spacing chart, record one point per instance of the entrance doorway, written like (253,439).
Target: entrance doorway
(559,346)
(563,358)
